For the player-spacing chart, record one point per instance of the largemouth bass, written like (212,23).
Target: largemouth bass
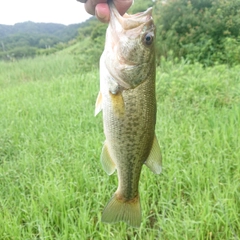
(127,100)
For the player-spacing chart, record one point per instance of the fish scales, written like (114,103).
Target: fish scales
(128,102)
(134,137)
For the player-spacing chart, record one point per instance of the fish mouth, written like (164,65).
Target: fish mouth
(128,21)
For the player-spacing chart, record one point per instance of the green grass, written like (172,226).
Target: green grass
(52,185)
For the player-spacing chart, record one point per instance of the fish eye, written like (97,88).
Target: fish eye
(148,39)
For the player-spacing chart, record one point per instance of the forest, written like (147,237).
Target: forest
(27,38)
(204,31)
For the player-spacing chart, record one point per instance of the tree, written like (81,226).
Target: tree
(197,29)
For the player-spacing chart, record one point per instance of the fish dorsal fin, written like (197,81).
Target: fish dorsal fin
(98,105)
(154,160)
(106,160)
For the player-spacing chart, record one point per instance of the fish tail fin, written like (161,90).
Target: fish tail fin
(118,209)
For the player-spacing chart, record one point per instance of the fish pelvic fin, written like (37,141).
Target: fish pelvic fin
(154,160)
(106,160)
(118,209)
(98,105)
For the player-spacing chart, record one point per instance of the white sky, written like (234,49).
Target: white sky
(55,11)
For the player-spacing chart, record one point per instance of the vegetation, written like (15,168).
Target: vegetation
(197,31)
(205,31)
(53,185)
(51,180)
(25,39)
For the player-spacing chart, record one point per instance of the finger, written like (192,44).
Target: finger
(91,4)
(102,12)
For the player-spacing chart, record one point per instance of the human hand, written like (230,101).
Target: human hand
(100,8)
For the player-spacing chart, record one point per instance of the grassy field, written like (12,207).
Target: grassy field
(52,185)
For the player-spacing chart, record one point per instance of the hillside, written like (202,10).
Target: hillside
(24,39)
(207,32)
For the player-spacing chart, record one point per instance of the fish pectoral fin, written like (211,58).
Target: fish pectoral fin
(118,103)
(154,160)
(98,105)
(119,209)
(106,160)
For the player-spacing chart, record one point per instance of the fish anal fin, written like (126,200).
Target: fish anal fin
(154,160)
(106,160)
(98,105)
(118,103)
(118,209)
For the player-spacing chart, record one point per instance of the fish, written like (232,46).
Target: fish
(127,100)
